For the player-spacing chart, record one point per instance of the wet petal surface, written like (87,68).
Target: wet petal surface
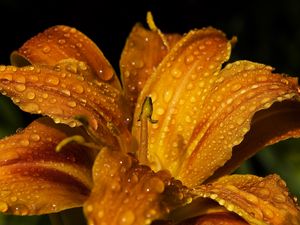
(65,95)
(62,42)
(31,170)
(142,53)
(258,200)
(128,193)
(203,112)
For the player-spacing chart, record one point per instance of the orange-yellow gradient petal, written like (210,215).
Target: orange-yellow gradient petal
(202,111)
(243,89)
(64,95)
(34,179)
(128,193)
(63,42)
(259,201)
(178,89)
(279,122)
(143,51)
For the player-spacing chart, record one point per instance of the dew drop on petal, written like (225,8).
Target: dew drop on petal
(127,218)
(30,95)
(72,104)
(35,137)
(20,87)
(168,95)
(176,73)
(3,207)
(78,89)
(52,80)
(46,49)
(24,142)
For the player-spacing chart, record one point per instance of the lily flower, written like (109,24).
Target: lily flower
(157,147)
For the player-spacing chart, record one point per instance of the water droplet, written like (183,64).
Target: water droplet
(168,95)
(61,41)
(20,87)
(13,198)
(3,207)
(280,198)
(45,95)
(127,218)
(2,68)
(30,107)
(67,92)
(20,79)
(160,111)
(190,86)
(21,210)
(72,104)
(52,80)
(155,185)
(78,88)
(188,119)
(189,59)
(115,186)
(30,95)
(24,142)
(35,137)
(176,73)
(236,87)
(46,49)
(138,63)
(82,66)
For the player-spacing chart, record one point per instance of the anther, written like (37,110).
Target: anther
(145,116)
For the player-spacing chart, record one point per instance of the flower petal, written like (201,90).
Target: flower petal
(201,121)
(128,193)
(178,89)
(34,179)
(257,200)
(63,42)
(279,122)
(64,95)
(143,51)
(243,89)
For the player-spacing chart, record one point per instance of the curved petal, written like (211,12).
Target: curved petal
(128,193)
(178,89)
(279,122)
(34,179)
(143,51)
(257,200)
(63,42)
(243,89)
(64,95)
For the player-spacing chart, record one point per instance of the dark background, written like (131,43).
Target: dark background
(268,32)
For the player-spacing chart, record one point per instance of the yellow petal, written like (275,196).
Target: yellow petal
(64,95)
(279,122)
(63,42)
(259,201)
(203,114)
(128,193)
(143,51)
(243,89)
(34,179)
(178,89)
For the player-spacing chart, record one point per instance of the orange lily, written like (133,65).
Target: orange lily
(156,151)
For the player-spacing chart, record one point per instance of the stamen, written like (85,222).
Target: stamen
(77,139)
(153,27)
(146,113)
